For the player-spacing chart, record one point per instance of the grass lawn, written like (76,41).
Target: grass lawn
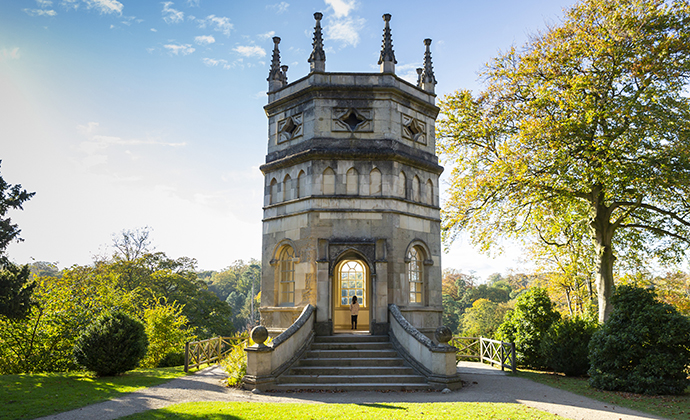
(36,395)
(672,407)
(279,411)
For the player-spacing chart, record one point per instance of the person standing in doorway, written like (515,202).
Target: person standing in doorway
(354,311)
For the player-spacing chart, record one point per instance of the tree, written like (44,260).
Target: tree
(483,318)
(589,121)
(15,287)
(528,324)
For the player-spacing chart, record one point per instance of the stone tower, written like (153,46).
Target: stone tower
(351,203)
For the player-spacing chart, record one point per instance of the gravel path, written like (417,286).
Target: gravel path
(482,384)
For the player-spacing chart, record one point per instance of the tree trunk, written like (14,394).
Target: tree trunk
(602,233)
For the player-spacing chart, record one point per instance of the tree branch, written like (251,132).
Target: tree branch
(656,230)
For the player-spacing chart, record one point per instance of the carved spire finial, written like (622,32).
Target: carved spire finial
(427,79)
(276,78)
(317,58)
(387,57)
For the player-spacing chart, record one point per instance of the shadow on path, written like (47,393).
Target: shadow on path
(482,383)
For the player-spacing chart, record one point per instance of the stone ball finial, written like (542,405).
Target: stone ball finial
(259,335)
(387,17)
(443,334)
(318,15)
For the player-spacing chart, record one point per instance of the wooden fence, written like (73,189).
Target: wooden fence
(486,350)
(212,350)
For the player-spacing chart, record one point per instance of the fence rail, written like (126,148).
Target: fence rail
(197,353)
(486,350)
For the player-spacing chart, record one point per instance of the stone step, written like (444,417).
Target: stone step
(374,386)
(346,338)
(352,370)
(335,354)
(361,361)
(353,379)
(375,345)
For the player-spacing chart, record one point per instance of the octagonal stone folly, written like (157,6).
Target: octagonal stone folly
(351,202)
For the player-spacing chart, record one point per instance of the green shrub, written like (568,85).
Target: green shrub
(167,330)
(172,359)
(112,344)
(644,347)
(566,346)
(527,325)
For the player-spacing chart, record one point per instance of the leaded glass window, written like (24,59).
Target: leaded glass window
(415,275)
(352,283)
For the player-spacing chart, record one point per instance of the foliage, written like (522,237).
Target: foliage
(644,347)
(363,411)
(11,197)
(167,330)
(234,286)
(64,306)
(113,344)
(15,291)
(566,345)
(32,396)
(673,287)
(483,318)
(527,326)
(459,292)
(235,362)
(15,287)
(588,123)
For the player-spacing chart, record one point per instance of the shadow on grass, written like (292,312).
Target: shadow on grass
(386,406)
(35,395)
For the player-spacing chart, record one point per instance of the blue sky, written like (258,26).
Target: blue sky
(123,114)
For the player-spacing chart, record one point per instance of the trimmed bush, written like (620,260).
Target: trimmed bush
(644,347)
(527,325)
(172,359)
(113,344)
(566,346)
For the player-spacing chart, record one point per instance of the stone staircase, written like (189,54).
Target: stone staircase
(351,362)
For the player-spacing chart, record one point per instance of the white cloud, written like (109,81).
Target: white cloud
(12,54)
(341,8)
(193,3)
(204,39)
(250,51)
(154,30)
(267,35)
(105,6)
(171,15)
(212,62)
(180,49)
(40,12)
(44,3)
(278,7)
(220,24)
(70,4)
(346,31)
(407,71)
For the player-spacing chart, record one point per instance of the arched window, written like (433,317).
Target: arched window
(287,188)
(352,181)
(415,275)
(328,182)
(273,197)
(415,188)
(402,185)
(352,283)
(301,185)
(375,182)
(286,265)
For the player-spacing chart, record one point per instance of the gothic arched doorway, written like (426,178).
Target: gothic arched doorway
(351,278)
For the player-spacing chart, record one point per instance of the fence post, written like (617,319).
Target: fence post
(186,357)
(503,359)
(481,349)
(512,356)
